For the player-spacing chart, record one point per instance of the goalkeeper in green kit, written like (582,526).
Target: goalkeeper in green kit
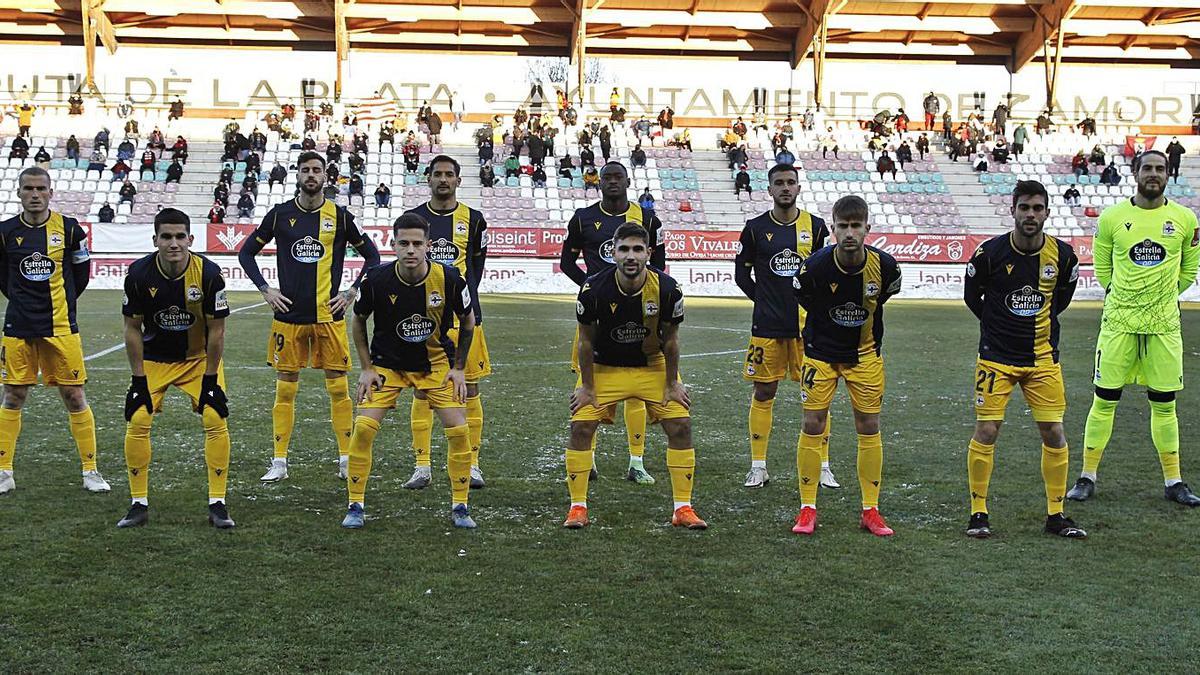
(1147,250)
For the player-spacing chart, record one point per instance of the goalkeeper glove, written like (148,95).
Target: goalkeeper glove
(213,396)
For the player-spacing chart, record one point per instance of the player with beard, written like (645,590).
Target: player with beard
(1147,250)
(311,234)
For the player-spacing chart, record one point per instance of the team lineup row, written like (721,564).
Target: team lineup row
(817,319)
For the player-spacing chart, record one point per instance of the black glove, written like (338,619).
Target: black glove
(212,395)
(138,396)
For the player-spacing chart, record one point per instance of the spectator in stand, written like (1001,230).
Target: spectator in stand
(356,162)
(605,143)
(97,161)
(956,148)
(646,200)
(179,150)
(174,172)
(980,163)
(333,152)
(904,154)
(520,118)
(360,144)
(356,185)
(828,143)
(784,156)
(230,153)
(684,139)
(638,157)
(512,167)
(1175,153)
(932,106)
(1111,174)
(586,156)
(539,176)
(42,158)
(156,142)
(486,150)
(147,164)
(1000,151)
(383,196)
(278,175)
(75,104)
(309,144)
(332,174)
(947,127)
(728,140)
(617,117)
(176,109)
(106,213)
(132,131)
(901,121)
(216,215)
(614,100)
(741,181)
(126,149)
(120,170)
(537,149)
(127,193)
(923,145)
(487,175)
(778,140)
(258,140)
(250,184)
(585,137)
(434,122)
(1087,126)
(226,176)
(1071,196)
(1196,122)
(1079,165)
(565,166)
(885,164)
(1042,126)
(221,193)
(101,139)
(288,110)
(387,134)
(641,128)
(245,206)
(412,157)
(253,164)
(570,116)
(24,118)
(738,156)
(666,119)
(1020,134)
(591,179)
(759,121)
(72,147)
(739,127)
(1000,120)
(875,144)
(1096,157)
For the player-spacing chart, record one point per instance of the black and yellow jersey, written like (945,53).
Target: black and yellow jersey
(310,253)
(411,320)
(591,230)
(629,326)
(458,238)
(845,307)
(174,310)
(1018,296)
(43,269)
(773,251)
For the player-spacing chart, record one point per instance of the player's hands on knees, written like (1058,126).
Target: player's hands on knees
(459,379)
(138,396)
(276,299)
(369,381)
(342,301)
(213,396)
(581,398)
(675,391)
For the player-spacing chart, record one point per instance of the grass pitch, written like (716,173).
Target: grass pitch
(289,590)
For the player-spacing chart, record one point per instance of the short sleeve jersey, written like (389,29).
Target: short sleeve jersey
(458,238)
(1023,294)
(591,230)
(845,307)
(629,326)
(311,253)
(774,251)
(37,262)
(174,310)
(412,320)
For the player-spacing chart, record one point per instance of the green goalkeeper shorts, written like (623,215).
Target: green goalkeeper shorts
(1155,361)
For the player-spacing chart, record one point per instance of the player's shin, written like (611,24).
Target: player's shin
(825,443)
(137,454)
(10,429)
(359,469)
(1096,434)
(341,411)
(475,425)
(635,426)
(870,468)
(216,453)
(980,459)
(579,467)
(1054,474)
(421,422)
(681,463)
(283,415)
(458,462)
(761,419)
(808,467)
(83,430)
(1164,431)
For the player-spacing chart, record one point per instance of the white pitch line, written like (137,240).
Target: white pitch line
(106,352)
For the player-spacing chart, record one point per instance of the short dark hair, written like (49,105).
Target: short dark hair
(308,156)
(411,221)
(446,158)
(33,171)
(634,230)
(615,163)
(850,207)
(780,168)
(1029,188)
(1137,161)
(172,216)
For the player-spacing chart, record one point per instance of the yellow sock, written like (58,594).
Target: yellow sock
(283,415)
(681,463)
(216,452)
(1164,431)
(458,462)
(361,440)
(825,442)
(10,428)
(808,467)
(579,466)
(83,430)
(341,411)
(870,468)
(980,458)
(1054,474)
(1096,433)
(475,424)
(761,414)
(137,453)
(635,426)
(421,422)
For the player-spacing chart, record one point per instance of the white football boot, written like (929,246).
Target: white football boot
(757,477)
(277,472)
(94,482)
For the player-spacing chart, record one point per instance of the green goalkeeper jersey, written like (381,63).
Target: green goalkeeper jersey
(1144,258)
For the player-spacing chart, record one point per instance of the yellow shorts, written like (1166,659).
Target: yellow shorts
(187,375)
(1042,386)
(58,359)
(864,380)
(294,347)
(440,394)
(479,363)
(615,384)
(772,359)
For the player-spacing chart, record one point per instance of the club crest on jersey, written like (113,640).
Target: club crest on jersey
(871,289)
(308,250)
(55,240)
(1049,272)
(804,237)
(436,299)
(193,294)
(326,225)
(785,263)
(630,333)
(415,328)
(174,319)
(443,250)
(848,315)
(1148,253)
(1025,301)
(460,227)
(37,267)
(1168,229)
(651,309)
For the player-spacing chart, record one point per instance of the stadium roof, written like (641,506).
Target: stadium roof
(1004,31)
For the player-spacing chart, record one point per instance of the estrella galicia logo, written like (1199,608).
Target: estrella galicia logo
(308,250)
(443,250)
(606,252)
(785,263)
(848,315)
(415,328)
(174,319)
(630,333)
(37,267)
(1025,301)
(1148,253)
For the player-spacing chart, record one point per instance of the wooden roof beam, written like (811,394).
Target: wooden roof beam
(815,13)
(1050,20)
